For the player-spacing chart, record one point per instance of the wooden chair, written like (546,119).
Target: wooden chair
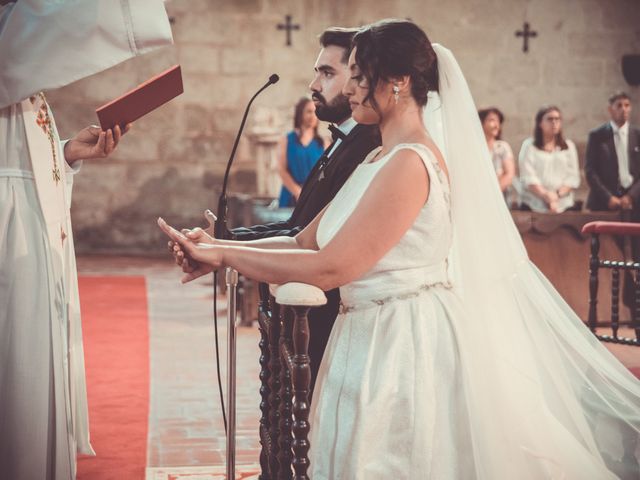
(632,271)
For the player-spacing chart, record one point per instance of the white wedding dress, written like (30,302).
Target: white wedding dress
(399,394)
(388,384)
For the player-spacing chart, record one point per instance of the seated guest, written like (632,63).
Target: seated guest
(612,163)
(299,151)
(548,165)
(501,153)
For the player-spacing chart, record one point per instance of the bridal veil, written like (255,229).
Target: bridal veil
(545,398)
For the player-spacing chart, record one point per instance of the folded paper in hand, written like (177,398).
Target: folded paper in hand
(141,100)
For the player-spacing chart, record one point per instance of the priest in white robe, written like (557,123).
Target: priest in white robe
(47,44)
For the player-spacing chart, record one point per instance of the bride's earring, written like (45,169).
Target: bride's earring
(396,93)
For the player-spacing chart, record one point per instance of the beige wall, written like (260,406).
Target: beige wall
(172,162)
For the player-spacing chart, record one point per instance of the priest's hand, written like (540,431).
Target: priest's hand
(199,257)
(92,142)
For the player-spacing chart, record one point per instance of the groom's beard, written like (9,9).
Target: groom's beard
(335,111)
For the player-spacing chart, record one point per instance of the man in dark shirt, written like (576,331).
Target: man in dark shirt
(351,144)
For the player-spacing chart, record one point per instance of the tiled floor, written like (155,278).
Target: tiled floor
(186,434)
(243,472)
(185,420)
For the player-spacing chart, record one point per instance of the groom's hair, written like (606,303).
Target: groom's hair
(339,37)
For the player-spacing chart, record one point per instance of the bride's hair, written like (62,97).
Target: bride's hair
(395,48)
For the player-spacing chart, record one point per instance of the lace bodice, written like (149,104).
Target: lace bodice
(419,258)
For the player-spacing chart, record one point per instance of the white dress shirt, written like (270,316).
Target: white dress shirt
(621,141)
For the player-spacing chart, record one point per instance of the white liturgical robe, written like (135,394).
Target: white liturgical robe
(43,406)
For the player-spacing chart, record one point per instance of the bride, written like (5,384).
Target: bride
(453,357)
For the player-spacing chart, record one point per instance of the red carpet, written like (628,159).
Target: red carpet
(116,346)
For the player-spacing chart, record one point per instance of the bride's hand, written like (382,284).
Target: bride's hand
(191,267)
(197,235)
(206,254)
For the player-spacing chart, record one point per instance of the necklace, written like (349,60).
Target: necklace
(44,121)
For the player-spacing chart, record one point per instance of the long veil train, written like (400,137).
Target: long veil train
(546,399)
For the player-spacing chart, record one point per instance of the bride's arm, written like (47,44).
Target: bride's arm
(270,243)
(386,211)
(306,239)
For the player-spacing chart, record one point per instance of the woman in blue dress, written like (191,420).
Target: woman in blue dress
(299,151)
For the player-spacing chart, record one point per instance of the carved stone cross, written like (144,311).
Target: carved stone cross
(526,34)
(288,27)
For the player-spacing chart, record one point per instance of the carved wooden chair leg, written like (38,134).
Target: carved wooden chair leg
(301,386)
(286,393)
(615,300)
(265,442)
(594,265)
(274,389)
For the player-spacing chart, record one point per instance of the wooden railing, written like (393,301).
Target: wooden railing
(285,379)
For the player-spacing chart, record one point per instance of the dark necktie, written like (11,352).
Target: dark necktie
(336,134)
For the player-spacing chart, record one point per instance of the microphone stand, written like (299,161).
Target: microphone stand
(221,232)
(220,229)
(232,285)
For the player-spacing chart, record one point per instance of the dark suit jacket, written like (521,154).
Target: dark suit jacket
(601,167)
(316,193)
(319,189)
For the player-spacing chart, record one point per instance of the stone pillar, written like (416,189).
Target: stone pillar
(263,139)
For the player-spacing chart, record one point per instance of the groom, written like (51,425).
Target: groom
(351,143)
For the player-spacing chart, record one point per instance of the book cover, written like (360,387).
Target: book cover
(143,99)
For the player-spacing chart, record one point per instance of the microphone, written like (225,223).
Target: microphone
(220,231)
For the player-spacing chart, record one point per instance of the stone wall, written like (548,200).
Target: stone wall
(172,162)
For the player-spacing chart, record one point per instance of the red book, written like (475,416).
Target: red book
(141,100)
